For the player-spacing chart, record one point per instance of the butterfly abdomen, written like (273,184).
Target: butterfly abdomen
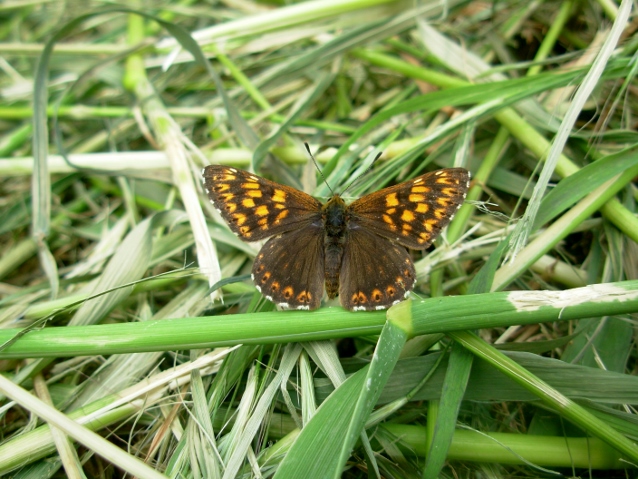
(334,220)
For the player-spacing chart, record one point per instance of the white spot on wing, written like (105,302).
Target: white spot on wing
(258,288)
(307,308)
(269,298)
(359,308)
(379,308)
(252,276)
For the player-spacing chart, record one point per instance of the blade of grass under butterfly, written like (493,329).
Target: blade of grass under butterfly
(435,315)
(447,410)
(326,442)
(567,408)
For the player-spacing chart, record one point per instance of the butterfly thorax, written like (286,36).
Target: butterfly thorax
(334,218)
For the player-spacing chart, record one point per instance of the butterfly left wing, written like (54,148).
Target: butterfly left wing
(289,269)
(256,208)
(375,272)
(414,212)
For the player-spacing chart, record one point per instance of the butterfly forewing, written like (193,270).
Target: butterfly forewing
(256,208)
(289,269)
(414,212)
(375,272)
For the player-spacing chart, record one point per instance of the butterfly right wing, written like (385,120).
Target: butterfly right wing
(289,269)
(414,212)
(375,272)
(256,208)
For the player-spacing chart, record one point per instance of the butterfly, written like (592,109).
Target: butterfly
(357,251)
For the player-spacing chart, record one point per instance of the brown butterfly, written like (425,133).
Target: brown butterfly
(357,250)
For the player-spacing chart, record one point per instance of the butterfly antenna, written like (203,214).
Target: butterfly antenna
(364,173)
(317,166)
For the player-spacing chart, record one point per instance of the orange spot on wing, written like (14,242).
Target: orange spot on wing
(261,210)
(250,185)
(445,180)
(422,208)
(281,216)
(304,297)
(420,189)
(248,203)
(391,200)
(389,221)
(279,196)
(416,198)
(407,216)
(254,193)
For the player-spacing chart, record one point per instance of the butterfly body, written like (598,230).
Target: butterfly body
(335,226)
(357,251)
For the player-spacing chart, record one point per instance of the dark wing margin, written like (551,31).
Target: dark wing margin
(254,207)
(289,269)
(414,212)
(375,273)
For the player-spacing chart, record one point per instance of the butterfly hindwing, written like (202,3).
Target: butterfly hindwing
(375,272)
(289,269)
(414,212)
(256,208)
